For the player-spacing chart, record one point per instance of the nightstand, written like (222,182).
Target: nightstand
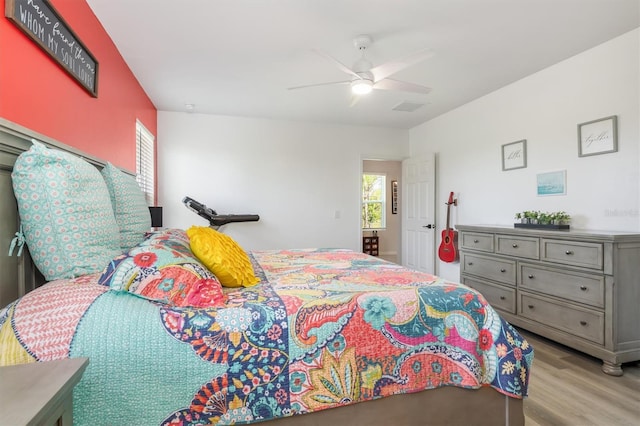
(40,393)
(370,245)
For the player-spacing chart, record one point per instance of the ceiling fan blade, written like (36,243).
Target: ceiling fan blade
(403,86)
(337,63)
(392,67)
(318,84)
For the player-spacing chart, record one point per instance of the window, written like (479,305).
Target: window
(145,164)
(373,201)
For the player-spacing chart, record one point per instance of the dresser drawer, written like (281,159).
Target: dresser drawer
(503,270)
(477,241)
(577,287)
(498,296)
(588,324)
(528,247)
(589,255)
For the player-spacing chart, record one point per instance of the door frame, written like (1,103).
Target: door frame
(364,157)
(436,215)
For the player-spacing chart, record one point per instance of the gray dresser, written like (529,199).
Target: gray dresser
(579,288)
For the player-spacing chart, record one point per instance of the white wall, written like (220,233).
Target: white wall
(295,175)
(544,108)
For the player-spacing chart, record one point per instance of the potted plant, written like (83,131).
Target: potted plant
(544,218)
(561,218)
(531,216)
(536,217)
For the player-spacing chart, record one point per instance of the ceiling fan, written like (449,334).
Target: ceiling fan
(365,77)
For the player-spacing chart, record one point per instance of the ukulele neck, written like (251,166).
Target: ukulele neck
(449,203)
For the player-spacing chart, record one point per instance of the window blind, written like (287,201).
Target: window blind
(145,165)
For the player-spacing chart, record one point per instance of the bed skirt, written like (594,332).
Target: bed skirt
(442,406)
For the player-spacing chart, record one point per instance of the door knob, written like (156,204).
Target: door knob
(429,226)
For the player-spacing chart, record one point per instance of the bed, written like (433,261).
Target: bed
(319,336)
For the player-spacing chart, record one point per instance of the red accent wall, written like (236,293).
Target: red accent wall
(37,93)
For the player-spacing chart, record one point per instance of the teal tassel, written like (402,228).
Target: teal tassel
(18,241)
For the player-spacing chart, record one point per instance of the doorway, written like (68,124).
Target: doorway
(390,234)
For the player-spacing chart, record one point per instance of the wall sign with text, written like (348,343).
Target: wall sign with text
(598,136)
(514,155)
(43,24)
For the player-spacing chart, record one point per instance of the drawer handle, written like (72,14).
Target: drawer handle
(502,298)
(514,245)
(583,287)
(470,263)
(531,306)
(476,241)
(568,252)
(503,270)
(583,323)
(530,276)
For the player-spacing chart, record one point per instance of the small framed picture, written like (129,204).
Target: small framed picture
(394,197)
(514,155)
(552,183)
(598,136)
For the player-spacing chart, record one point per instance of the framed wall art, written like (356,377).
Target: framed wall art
(394,197)
(552,183)
(514,155)
(598,136)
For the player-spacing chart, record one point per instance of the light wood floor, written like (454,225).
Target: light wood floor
(568,387)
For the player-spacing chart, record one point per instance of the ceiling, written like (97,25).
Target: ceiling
(239,57)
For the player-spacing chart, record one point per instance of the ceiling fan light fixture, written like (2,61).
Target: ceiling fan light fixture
(361,87)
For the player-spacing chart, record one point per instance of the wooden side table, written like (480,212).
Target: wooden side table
(40,393)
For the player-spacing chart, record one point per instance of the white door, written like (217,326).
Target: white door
(418,217)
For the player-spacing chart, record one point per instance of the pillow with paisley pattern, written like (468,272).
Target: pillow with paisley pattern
(163,269)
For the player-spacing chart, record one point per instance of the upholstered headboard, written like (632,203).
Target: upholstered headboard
(17,273)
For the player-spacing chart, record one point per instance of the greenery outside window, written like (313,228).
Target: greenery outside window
(373,201)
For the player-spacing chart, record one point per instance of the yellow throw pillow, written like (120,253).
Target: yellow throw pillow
(223,256)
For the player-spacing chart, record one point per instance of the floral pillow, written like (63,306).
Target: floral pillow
(167,236)
(163,269)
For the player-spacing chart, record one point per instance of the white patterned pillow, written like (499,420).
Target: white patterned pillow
(65,212)
(129,206)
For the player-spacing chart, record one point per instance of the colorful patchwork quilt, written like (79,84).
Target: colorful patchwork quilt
(323,328)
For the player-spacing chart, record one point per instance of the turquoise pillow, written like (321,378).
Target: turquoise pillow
(65,212)
(129,206)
